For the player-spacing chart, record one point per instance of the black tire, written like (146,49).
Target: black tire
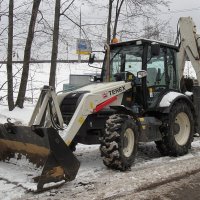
(178,135)
(119,143)
(160,145)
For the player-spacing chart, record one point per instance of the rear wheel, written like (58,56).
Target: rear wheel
(178,135)
(119,144)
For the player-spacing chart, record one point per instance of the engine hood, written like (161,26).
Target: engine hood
(97,87)
(106,89)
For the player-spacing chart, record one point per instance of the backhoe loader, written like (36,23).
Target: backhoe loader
(141,96)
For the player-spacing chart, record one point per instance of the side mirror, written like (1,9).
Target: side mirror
(94,78)
(155,49)
(142,74)
(91,58)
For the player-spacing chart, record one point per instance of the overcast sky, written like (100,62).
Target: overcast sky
(178,8)
(183,8)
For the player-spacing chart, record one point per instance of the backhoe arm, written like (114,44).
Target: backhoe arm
(189,46)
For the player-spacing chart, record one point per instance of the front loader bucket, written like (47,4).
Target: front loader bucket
(44,148)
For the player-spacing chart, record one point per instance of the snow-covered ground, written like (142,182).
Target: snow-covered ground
(39,76)
(94,180)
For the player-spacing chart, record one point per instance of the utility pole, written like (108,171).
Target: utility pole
(67,48)
(79,54)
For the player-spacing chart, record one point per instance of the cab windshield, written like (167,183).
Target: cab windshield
(125,59)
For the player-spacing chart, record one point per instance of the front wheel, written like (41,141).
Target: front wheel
(178,135)
(119,144)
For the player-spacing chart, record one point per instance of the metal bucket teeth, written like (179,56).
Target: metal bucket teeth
(43,147)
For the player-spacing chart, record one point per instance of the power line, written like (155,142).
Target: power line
(161,13)
(179,11)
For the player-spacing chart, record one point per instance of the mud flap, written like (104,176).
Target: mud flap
(43,147)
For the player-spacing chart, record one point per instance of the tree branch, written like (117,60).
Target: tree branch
(67,7)
(76,25)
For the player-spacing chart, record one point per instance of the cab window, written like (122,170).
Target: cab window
(156,69)
(127,58)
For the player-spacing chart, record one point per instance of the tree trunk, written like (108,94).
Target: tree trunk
(109,21)
(54,53)
(118,11)
(27,55)
(9,56)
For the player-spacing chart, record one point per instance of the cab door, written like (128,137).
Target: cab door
(161,75)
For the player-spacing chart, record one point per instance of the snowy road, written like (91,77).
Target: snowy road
(95,181)
(184,188)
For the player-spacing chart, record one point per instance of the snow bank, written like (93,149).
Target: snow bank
(39,76)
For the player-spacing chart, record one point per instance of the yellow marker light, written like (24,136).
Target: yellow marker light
(92,105)
(81,120)
(144,127)
(141,119)
(130,77)
(151,92)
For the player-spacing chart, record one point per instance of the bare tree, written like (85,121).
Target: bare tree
(27,55)
(55,44)
(157,29)
(109,21)
(132,9)
(117,13)
(54,53)
(9,56)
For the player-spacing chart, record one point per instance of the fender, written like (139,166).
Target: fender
(125,110)
(169,98)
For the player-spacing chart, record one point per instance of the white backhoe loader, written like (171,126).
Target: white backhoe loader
(141,96)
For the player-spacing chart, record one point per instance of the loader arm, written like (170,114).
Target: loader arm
(47,96)
(93,102)
(189,46)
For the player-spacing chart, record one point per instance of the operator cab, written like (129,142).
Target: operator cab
(156,58)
